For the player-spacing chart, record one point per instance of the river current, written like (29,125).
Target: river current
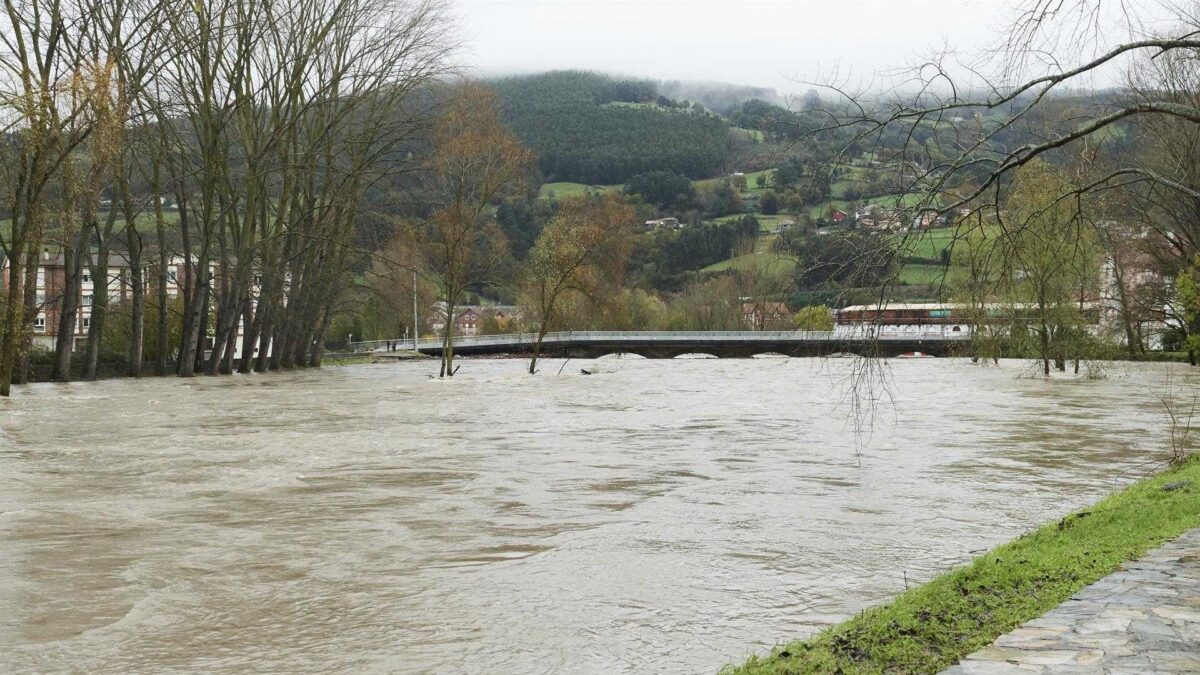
(656,517)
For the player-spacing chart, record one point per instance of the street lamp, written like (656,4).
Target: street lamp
(416,331)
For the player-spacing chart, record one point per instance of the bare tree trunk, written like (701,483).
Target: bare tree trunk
(222,329)
(448,341)
(318,346)
(279,345)
(163,301)
(266,341)
(1045,342)
(64,344)
(137,285)
(251,321)
(201,328)
(537,351)
(99,295)
(13,317)
(29,299)
(137,319)
(194,285)
(543,328)
(227,359)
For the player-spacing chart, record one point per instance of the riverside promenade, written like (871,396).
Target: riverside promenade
(1144,618)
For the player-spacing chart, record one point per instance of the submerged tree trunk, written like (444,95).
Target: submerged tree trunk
(318,346)
(537,351)
(13,317)
(230,346)
(1044,338)
(448,342)
(163,324)
(137,286)
(201,329)
(64,342)
(250,325)
(99,311)
(30,303)
(543,328)
(137,317)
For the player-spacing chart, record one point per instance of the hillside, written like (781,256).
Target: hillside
(746,155)
(595,129)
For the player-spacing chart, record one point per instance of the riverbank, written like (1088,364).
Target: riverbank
(933,626)
(1144,618)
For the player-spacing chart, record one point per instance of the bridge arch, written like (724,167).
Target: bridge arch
(621,354)
(697,356)
(845,353)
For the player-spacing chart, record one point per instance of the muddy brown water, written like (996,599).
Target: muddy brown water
(660,516)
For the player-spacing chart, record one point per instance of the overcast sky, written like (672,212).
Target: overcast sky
(761,42)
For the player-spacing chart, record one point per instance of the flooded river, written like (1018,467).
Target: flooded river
(660,516)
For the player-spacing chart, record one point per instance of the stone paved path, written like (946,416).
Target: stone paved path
(1144,618)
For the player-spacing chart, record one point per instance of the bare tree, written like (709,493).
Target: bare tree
(265,121)
(952,137)
(475,160)
(47,99)
(582,251)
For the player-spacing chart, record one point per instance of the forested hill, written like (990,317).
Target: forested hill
(592,128)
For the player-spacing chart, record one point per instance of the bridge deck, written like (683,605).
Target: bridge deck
(720,343)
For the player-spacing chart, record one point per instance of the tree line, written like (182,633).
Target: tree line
(224,149)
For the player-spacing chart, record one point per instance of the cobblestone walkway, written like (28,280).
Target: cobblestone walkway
(1144,618)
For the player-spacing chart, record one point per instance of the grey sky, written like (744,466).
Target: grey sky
(760,42)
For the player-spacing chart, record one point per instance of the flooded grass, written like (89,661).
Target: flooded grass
(347,359)
(934,625)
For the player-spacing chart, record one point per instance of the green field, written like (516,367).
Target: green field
(765,223)
(751,134)
(851,176)
(567,189)
(713,182)
(906,200)
(928,244)
(752,177)
(767,263)
(838,189)
(762,261)
(921,275)
(637,106)
(564,190)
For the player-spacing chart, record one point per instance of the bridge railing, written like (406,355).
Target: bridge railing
(378,345)
(934,333)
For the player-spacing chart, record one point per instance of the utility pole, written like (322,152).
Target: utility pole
(416,330)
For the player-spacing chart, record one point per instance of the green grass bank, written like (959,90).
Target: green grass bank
(932,626)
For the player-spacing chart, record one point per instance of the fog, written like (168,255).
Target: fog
(772,43)
(790,44)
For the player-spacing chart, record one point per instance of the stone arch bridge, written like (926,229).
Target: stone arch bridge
(722,344)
